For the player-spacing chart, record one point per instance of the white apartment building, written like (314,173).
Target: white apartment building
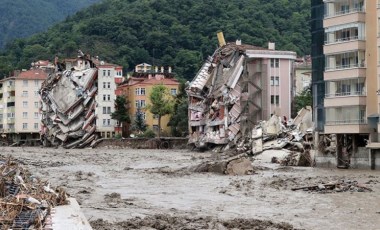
(20,105)
(108,77)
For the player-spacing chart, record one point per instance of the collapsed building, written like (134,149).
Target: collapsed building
(71,103)
(236,88)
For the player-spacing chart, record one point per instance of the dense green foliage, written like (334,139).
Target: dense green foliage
(179,121)
(303,99)
(22,18)
(139,124)
(162,103)
(121,110)
(179,33)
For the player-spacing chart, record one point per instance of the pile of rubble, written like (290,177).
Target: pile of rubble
(339,186)
(68,108)
(26,202)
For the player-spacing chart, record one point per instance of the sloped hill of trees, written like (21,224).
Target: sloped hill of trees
(22,18)
(180,33)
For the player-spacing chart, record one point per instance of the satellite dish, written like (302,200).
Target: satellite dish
(132,135)
(102,62)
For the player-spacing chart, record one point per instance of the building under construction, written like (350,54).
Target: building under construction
(238,86)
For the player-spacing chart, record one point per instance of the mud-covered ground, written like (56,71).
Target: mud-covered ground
(157,189)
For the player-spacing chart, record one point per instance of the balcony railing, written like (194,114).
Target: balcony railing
(343,12)
(344,94)
(347,122)
(340,40)
(348,66)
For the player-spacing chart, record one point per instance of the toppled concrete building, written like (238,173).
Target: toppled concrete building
(68,109)
(236,88)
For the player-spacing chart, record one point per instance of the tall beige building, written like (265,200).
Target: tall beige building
(20,105)
(350,96)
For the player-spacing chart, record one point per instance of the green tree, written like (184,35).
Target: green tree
(162,103)
(179,120)
(121,110)
(303,99)
(139,124)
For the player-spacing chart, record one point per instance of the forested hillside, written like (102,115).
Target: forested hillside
(22,18)
(180,33)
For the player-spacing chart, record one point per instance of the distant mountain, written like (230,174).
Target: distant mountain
(180,33)
(22,18)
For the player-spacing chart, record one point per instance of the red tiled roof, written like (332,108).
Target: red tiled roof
(33,74)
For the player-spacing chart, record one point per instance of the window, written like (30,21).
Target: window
(106,97)
(1,116)
(104,72)
(104,85)
(106,110)
(10,83)
(11,126)
(109,85)
(36,104)
(24,93)
(36,83)
(25,83)
(25,104)
(274,81)
(140,103)
(173,92)
(35,125)
(143,114)
(11,115)
(109,72)
(24,114)
(106,122)
(274,62)
(275,99)
(36,115)
(155,116)
(140,91)
(36,93)
(24,125)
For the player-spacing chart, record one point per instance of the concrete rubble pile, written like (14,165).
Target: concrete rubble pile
(68,105)
(26,202)
(294,135)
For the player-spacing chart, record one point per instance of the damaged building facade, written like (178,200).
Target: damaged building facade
(78,99)
(236,88)
(346,83)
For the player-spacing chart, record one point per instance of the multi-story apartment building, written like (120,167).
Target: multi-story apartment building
(20,104)
(137,89)
(109,76)
(345,73)
(236,88)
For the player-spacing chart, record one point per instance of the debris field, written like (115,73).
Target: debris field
(158,189)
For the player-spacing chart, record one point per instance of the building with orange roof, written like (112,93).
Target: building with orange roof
(20,104)
(137,90)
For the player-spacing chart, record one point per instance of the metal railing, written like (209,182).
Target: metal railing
(348,122)
(343,12)
(343,94)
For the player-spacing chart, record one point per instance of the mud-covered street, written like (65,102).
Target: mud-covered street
(158,189)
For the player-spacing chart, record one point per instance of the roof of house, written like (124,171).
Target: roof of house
(33,74)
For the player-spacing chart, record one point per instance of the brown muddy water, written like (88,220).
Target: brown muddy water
(156,189)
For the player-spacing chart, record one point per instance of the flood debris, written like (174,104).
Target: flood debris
(338,186)
(26,202)
(68,104)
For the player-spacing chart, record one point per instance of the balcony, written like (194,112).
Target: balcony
(345,101)
(346,128)
(342,45)
(340,73)
(354,16)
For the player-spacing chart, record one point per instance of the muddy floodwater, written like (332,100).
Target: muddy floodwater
(156,189)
